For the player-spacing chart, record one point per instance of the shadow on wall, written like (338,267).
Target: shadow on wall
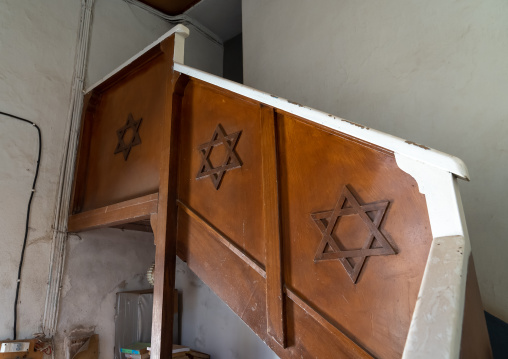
(210,326)
(498,333)
(233,59)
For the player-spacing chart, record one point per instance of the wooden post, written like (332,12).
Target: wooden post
(275,312)
(165,222)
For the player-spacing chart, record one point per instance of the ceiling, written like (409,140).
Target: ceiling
(171,7)
(223,17)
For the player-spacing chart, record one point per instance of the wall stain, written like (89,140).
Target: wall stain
(38,240)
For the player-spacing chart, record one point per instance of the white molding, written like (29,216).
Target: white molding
(179,50)
(436,325)
(441,193)
(181,32)
(66,175)
(397,145)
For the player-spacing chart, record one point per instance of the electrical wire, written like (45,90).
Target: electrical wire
(27,216)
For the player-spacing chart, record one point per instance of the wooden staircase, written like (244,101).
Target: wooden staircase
(314,230)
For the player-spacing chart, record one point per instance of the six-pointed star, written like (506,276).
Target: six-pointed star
(231,159)
(327,221)
(135,140)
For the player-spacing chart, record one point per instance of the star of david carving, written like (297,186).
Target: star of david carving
(330,248)
(123,147)
(231,160)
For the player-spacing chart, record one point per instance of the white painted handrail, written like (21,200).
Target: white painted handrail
(409,149)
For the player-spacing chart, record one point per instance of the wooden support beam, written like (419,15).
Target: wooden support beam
(125,212)
(165,223)
(275,311)
(228,243)
(355,351)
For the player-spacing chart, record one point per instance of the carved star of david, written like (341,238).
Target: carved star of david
(231,160)
(330,247)
(123,147)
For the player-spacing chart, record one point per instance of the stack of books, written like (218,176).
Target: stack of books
(142,351)
(136,351)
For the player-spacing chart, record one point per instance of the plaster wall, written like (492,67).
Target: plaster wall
(433,72)
(99,264)
(37,49)
(120,30)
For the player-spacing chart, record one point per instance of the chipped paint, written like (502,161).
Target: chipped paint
(417,145)
(356,124)
(295,103)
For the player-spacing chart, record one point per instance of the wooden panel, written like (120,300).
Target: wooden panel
(307,338)
(475,341)
(139,226)
(90,102)
(109,177)
(229,276)
(92,351)
(111,216)
(228,243)
(224,228)
(346,347)
(236,206)
(316,165)
(243,289)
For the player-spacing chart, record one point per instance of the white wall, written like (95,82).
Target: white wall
(120,30)
(434,72)
(37,49)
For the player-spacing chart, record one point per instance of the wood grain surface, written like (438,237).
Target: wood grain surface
(291,169)
(315,165)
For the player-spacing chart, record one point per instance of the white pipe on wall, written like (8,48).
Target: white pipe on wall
(66,174)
